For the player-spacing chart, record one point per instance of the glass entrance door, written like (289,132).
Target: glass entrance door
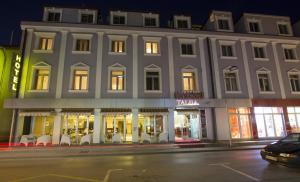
(118,127)
(187,127)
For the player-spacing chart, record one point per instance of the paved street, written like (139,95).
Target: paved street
(231,166)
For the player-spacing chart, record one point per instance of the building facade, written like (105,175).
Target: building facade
(132,81)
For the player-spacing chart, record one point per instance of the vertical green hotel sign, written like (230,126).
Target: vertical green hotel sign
(16,72)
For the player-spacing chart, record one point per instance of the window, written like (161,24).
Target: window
(227,50)
(294,82)
(118,20)
(117,46)
(80,79)
(152,80)
(264,82)
(54,16)
(187,49)
(82,45)
(87,18)
(46,43)
(150,22)
(188,81)
(259,52)
(117,80)
(231,81)
(269,121)
(182,24)
(283,29)
(254,26)
(294,118)
(240,123)
(41,80)
(289,53)
(223,24)
(151,47)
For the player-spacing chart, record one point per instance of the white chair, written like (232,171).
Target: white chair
(26,139)
(65,139)
(146,138)
(163,138)
(117,138)
(86,139)
(45,139)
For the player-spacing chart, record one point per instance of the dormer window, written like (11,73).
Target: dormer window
(283,28)
(182,22)
(150,22)
(53,16)
(254,26)
(87,18)
(223,24)
(118,20)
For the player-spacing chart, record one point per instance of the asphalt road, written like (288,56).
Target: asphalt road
(229,166)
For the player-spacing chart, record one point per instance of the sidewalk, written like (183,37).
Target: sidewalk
(107,150)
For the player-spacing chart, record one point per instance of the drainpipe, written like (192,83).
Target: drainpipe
(16,111)
(212,86)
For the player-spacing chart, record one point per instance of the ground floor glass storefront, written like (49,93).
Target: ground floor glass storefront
(150,126)
(77,125)
(240,123)
(294,118)
(269,122)
(187,126)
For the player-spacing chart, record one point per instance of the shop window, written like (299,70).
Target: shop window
(269,121)
(187,126)
(152,125)
(294,118)
(42,125)
(240,123)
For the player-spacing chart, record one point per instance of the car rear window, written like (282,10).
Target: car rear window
(295,137)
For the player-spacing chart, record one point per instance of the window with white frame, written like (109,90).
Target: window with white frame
(231,80)
(117,44)
(294,79)
(188,81)
(152,45)
(223,24)
(79,77)
(152,78)
(182,22)
(289,52)
(259,51)
(151,20)
(187,47)
(227,50)
(41,77)
(87,17)
(254,26)
(284,28)
(45,43)
(54,16)
(264,80)
(117,75)
(118,18)
(82,43)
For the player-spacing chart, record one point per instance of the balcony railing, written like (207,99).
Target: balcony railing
(188,95)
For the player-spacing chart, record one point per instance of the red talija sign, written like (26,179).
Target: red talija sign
(188,95)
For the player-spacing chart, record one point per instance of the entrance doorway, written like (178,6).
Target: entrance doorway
(187,127)
(118,128)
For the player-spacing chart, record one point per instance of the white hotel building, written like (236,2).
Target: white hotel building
(131,81)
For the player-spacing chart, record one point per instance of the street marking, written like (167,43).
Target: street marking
(28,178)
(106,178)
(75,178)
(225,165)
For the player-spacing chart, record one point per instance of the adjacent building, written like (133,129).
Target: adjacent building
(133,78)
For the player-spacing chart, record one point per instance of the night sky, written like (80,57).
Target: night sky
(14,11)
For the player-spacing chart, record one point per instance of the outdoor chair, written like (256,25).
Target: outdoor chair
(45,139)
(146,138)
(26,139)
(65,139)
(163,137)
(86,139)
(117,138)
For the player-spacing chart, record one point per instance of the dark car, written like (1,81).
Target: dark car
(285,151)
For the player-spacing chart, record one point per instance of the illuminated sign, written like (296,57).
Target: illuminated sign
(16,72)
(187,102)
